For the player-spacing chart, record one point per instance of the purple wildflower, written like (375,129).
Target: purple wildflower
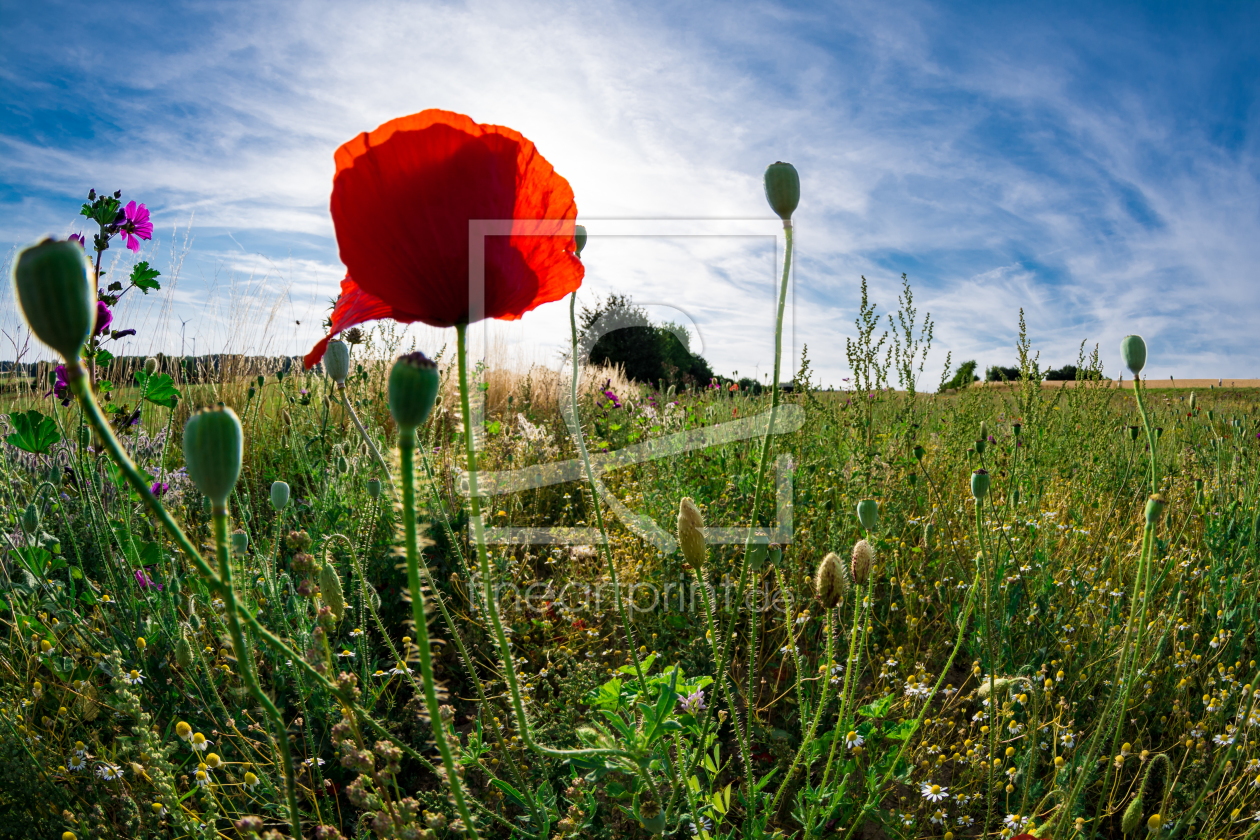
(159,487)
(61,386)
(137,224)
(693,702)
(77,238)
(122,334)
(142,578)
(104,317)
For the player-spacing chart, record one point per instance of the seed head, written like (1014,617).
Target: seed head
(863,562)
(831,581)
(337,361)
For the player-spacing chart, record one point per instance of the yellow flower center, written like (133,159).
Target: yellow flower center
(936,789)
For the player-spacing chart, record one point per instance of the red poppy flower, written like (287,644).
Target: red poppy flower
(402,200)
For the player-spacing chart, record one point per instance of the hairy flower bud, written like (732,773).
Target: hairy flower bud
(1133,352)
(150,365)
(691,533)
(868,514)
(783,189)
(413,387)
(330,590)
(213,447)
(30,519)
(831,580)
(863,561)
(183,653)
(279,495)
(57,293)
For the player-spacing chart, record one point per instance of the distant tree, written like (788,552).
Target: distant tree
(996,373)
(1070,373)
(964,376)
(617,331)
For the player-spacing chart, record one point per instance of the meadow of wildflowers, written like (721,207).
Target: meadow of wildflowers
(285,605)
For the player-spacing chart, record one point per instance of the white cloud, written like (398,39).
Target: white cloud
(978,160)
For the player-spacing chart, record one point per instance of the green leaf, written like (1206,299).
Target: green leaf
(901,731)
(512,793)
(158,389)
(877,709)
(607,696)
(104,357)
(35,432)
(646,663)
(144,278)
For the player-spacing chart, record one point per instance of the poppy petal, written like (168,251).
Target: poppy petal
(402,200)
(354,306)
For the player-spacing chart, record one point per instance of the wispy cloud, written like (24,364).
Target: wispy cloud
(1097,169)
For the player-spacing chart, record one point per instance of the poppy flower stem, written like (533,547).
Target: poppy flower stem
(358,424)
(245,664)
(487,578)
(745,732)
(407,446)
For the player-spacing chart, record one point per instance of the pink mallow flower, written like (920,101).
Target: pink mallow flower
(104,317)
(137,225)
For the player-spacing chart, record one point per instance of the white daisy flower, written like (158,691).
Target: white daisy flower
(933,793)
(134,677)
(854,740)
(77,763)
(109,772)
(200,742)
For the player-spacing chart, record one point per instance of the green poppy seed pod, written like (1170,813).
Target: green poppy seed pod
(213,447)
(240,542)
(652,818)
(150,365)
(831,580)
(30,519)
(1132,819)
(1133,432)
(776,553)
(1133,351)
(868,514)
(183,653)
(1154,509)
(783,189)
(981,443)
(374,487)
(337,361)
(330,590)
(579,239)
(980,484)
(261,380)
(56,290)
(863,562)
(413,387)
(691,533)
(919,452)
(279,495)
(1015,427)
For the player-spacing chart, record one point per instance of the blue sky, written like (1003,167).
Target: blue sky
(1096,166)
